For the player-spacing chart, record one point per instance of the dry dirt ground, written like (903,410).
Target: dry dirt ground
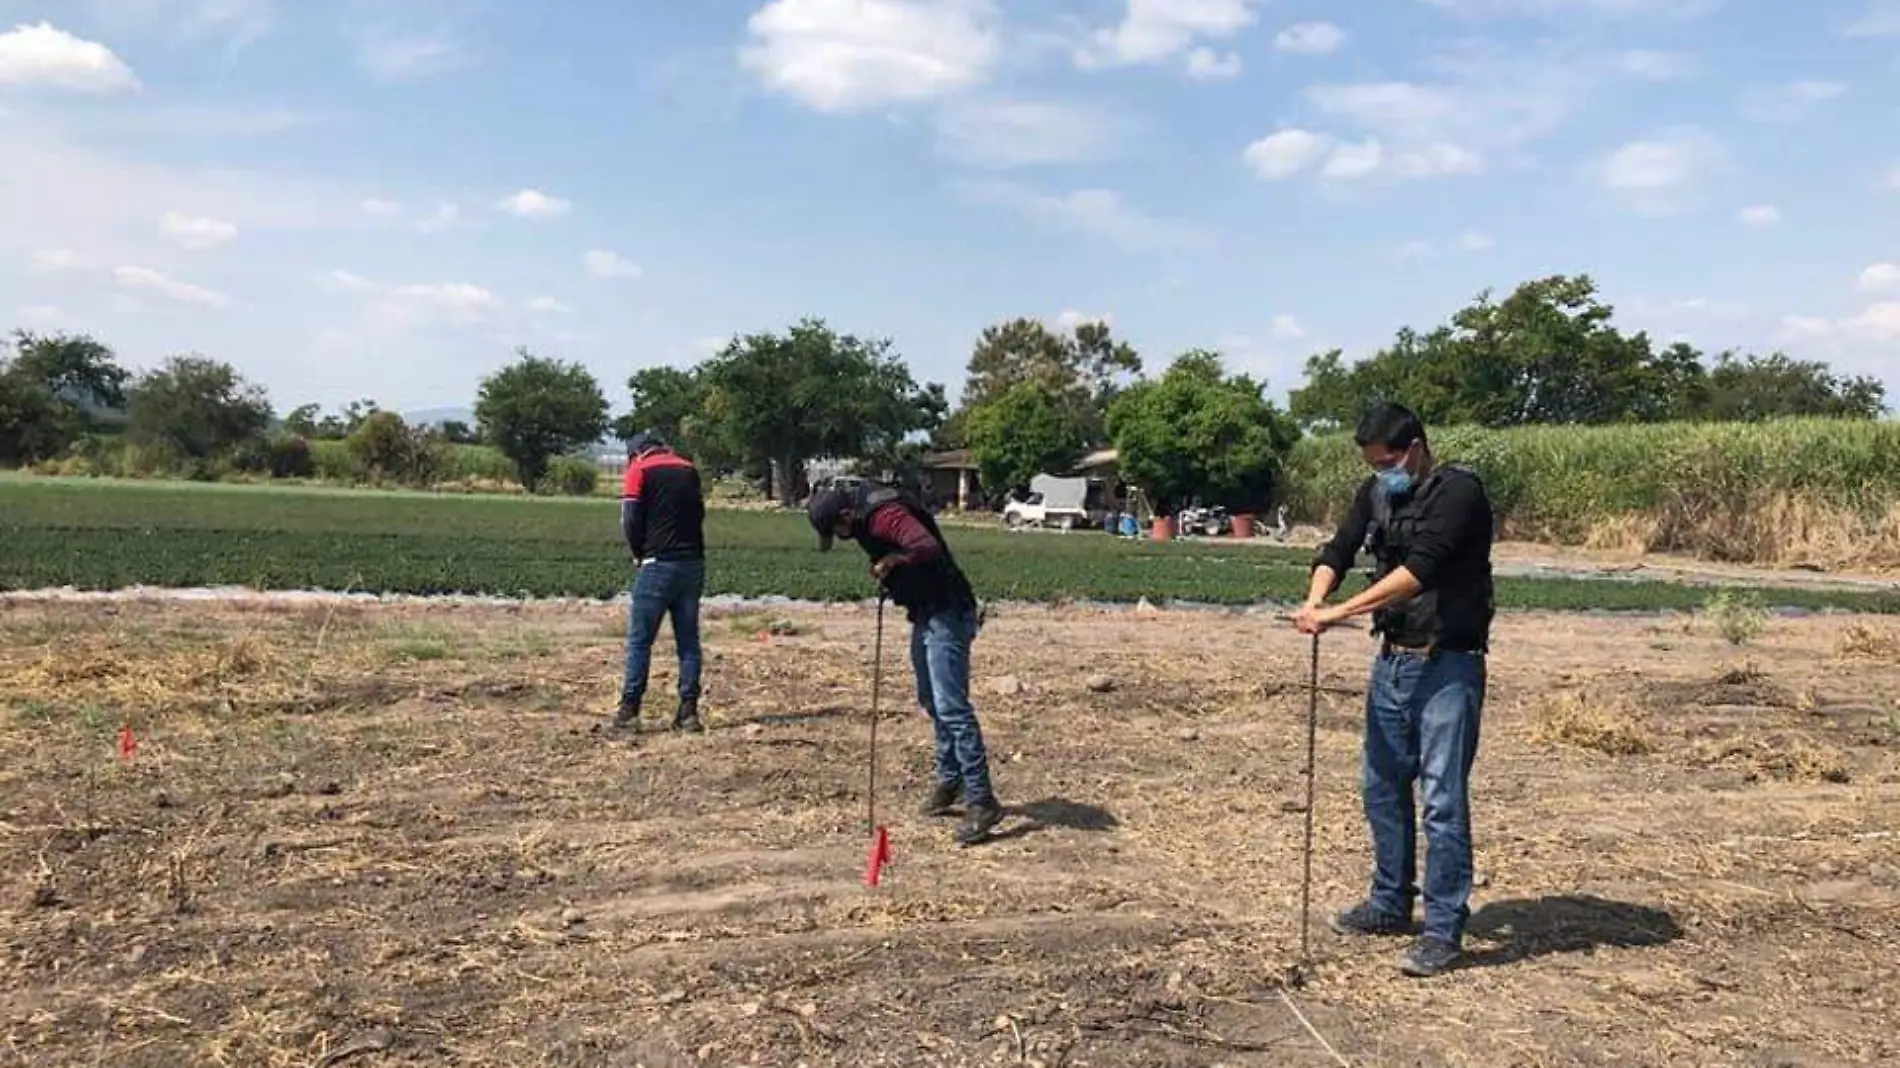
(372,835)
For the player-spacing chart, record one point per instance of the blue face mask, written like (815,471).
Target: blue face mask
(1395,481)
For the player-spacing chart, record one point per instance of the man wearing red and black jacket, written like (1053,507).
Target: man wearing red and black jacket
(910,558)
(663,519)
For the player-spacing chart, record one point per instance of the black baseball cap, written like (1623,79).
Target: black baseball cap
(824,508)
(644,440)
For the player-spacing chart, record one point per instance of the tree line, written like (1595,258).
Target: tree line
(1034,400)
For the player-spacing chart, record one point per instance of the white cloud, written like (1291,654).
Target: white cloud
(55,260)
(1782,103)
(1353,161)
(1655,66)
(1759,215)
(456,299)
(147,280)
(1879,278)
(1287,328)
(41,314)
(1069,320)
(444,216)
(390,55)
(1803,328)
(1893,178)
(1350,162)
(348,281)
(1662,175)
(1881,19)
(1284,153)
(238,22)
(1207,65)
(534,204)
(1310,38)
(381,209)
(1154,30)
(44,55)
(1876,322)
(850,55)
(548,306)
(602,263)
(1001,134)
(1475,241)
(1100,213)
(195,233)
(1570,10)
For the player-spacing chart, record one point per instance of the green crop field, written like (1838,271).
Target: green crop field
(98,535)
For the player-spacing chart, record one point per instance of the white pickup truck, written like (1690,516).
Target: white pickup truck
(1052,502)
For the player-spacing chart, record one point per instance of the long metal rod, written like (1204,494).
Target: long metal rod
(1312,734)
(877,686)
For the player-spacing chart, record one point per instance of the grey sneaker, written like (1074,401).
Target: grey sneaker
(942,799)
(1365,920)
(1430,956)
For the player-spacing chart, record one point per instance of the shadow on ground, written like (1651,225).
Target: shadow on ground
(1539,927)
(1057,812)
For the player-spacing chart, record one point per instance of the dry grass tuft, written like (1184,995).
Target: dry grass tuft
(1787,759)
(1870,641)
(1582,720)
(1774,529)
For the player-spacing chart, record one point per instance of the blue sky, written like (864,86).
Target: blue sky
(356,199)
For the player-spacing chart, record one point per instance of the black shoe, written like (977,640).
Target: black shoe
(687,717)
(979,822)
(942,799)
(1431,956)
(628,717)
(1364,919)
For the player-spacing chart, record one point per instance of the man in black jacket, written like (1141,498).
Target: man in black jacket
(1428,529)
(663,519)
(910,558)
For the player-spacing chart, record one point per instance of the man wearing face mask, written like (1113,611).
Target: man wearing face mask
(1428,530)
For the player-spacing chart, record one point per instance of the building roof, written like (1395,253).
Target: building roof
(954,460)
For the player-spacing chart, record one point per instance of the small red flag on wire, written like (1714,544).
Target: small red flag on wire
(128,742)
(880,856)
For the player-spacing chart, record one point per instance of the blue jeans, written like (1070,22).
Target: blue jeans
(1422,717)
(665,588)
(940,657)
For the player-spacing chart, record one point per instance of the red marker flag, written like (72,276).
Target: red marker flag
(880,856)
(128,743)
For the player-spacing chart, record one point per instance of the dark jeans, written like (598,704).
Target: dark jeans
(665,588)
(1422,717)
(940,657)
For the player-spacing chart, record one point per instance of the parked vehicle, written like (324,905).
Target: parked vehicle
(1213,521)
(1052,502)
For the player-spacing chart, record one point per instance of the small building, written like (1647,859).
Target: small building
(951,477)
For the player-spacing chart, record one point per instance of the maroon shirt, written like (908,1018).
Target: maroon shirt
(897,526)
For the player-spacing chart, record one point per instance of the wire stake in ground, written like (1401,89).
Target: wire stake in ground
(1306,873)
(880,838)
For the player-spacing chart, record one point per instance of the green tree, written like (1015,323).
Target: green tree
(1199,433)
(537,409)
(1550,354)
(672,402)
(1085,369)
(1754,388)
(53,390)
(196,409)
(1026,431)
(778,401)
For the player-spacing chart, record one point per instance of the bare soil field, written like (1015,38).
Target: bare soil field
(372,835)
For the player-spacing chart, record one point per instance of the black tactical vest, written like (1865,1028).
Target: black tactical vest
(920,589)
(1416,621)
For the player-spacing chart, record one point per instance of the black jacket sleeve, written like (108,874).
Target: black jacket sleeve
(1343,549)
(633,525)
(1451,517)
